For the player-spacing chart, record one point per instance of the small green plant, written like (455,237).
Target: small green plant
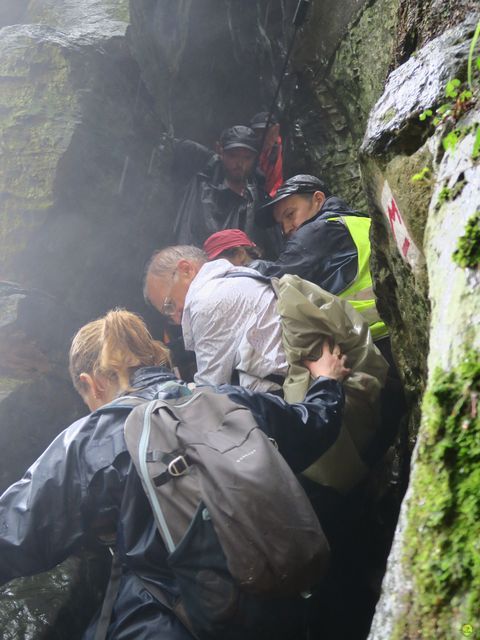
(444,195)
(452,88)
(428,113)
(461,98)
(449,142)
(422,176)
(467,253)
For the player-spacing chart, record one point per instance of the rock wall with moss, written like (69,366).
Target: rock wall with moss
(421,170)
(337,84)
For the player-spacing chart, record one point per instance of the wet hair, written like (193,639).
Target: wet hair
(164,261)
(254,253)
(114,346)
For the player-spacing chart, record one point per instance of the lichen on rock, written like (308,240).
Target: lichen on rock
(442,548)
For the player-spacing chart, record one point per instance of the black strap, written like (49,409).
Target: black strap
(109,599)
(178,464)
(248,274)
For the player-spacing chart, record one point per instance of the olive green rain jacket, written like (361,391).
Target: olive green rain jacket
(309,315)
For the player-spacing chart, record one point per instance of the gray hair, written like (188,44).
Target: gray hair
(164,261)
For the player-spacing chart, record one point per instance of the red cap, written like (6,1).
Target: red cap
(218,242)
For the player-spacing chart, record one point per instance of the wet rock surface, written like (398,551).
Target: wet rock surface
(79,180)
(419,22)
(35,331)
(335,93)
(37,402)
(429,588)
(417,85)
(210,64)
(396,147)
(54,605)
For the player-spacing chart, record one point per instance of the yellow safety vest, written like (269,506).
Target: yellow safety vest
(360,292)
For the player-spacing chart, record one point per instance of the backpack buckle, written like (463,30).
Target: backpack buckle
(178,466)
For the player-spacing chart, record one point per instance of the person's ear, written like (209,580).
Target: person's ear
(95,385)
(187,269)
(319,198)
(88,384)
(218,148)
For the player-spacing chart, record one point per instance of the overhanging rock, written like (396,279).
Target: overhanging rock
(80,186)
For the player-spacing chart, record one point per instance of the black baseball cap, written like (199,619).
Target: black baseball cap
(259,120)
(301,183)
(239,136)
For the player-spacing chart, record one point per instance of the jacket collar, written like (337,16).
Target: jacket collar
(146,376)
(332,206)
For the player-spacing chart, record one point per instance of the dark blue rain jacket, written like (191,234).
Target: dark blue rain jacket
(85,482)
(321,251)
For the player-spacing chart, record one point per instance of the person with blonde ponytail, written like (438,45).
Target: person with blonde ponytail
(106,353)
(85,484)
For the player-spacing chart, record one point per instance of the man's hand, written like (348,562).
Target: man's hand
(331,364)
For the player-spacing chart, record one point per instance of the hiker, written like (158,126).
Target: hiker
(229,322)
(327,243)
(85,485)
(244,330)
(223,191)
(233,245)
(270,161)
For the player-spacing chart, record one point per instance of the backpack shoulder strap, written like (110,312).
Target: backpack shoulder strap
(248,274)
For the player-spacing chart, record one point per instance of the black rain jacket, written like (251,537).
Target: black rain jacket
(209,205)
(321,251)
(86,479)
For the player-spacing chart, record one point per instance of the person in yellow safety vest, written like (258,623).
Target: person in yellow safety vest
(327,243)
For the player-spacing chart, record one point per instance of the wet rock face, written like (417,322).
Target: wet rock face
(396,147)
(337,86)
(37,402)
(80,184)
(210,64)
(54,605)
(35,331)
(424,235)
(419,22)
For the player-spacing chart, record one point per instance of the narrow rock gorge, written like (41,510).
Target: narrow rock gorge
(374,102)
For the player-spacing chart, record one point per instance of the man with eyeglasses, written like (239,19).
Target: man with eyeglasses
(231,323)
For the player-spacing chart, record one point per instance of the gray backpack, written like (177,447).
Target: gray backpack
(239,528)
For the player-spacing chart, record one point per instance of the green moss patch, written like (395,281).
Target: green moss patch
(467,253)
(442,535)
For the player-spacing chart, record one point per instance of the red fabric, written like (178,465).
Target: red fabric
(272,167)
(226,239)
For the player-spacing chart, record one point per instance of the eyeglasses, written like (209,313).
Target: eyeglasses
(169,307)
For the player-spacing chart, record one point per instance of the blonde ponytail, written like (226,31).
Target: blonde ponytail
(114,346)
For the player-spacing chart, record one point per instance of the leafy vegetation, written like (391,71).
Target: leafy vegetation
(460,98)
(467,253)
(422,176)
